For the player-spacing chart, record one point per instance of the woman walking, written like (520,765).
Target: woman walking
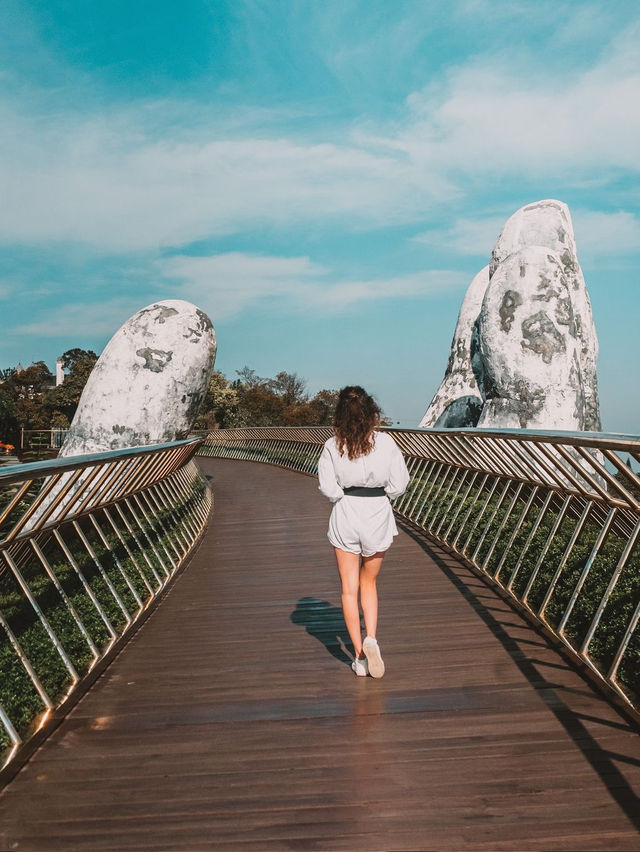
(359,470)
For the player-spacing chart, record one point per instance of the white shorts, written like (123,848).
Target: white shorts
(364,525)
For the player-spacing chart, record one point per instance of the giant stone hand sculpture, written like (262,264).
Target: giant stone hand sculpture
(532,346)
(148,383)
(458,401)
(145,388)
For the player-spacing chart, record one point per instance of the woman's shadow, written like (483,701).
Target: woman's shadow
(326,624)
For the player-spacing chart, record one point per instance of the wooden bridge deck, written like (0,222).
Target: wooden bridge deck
(232,721)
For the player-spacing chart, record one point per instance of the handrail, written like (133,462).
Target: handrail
(19,472)
(550,518)
(87,545)
(99,479)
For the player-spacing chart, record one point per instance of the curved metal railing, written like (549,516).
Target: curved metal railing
(86,545)
(551,518)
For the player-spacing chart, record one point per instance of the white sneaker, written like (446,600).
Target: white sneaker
(360,667)
(374,658)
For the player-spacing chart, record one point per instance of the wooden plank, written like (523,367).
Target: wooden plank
(232,719)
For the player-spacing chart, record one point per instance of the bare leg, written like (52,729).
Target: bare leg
(368,591)
(349,570)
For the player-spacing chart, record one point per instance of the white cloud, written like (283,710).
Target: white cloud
(466,236)
(82,320)
(611,234)
(503,117)
(422,284)
(117,186)
(597,233)
(225,284)
(134,179)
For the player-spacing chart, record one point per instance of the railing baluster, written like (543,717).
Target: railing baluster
(565,556)
(468,513)
(516,529)
(587,568)
(142,549)
(50,573)
(554,529)
(92,555)
(87,588)
(7,724)
(128,550)
(145,533)
(449,529)
(26,663)
(448,479)
(534,529)
(59,502)
(425,474)
(57,644)
(463,476)
(116,561)
(496,509)
(425,505)
(502,524)
(483,509)
(584,648)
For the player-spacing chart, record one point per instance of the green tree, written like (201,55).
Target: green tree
(59,420)
(220,405)
(259,406)
(301,414)
(27,388)
(79,363)
(9,430)
(7,373)
(64,399)
(251,400)
(249,378)
(32,381)
(323,406)
(31,414)
(290,387)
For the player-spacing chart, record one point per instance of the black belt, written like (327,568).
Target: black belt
(361,491)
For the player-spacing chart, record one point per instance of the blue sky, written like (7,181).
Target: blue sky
(323,177)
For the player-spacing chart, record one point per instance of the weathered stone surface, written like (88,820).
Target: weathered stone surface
(543,223)
(529,345)
(548,224)
(458,401)
(145,388)
(527,358)
(148,383)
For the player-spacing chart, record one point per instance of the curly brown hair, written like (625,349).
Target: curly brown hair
(357,415)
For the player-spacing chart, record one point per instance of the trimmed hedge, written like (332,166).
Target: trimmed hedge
(18,695)
(480,534)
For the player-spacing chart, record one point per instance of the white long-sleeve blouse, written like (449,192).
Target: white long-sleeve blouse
(383,467)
